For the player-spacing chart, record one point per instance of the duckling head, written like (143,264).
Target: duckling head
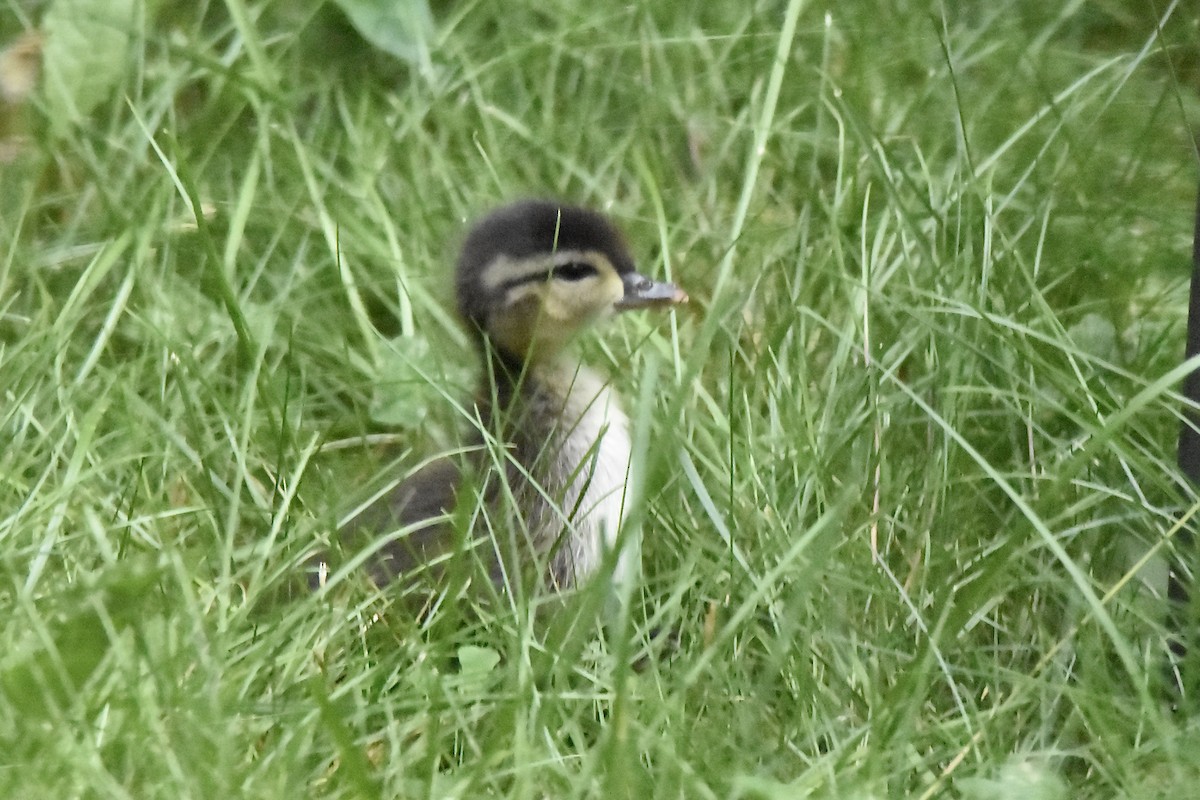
(533,274)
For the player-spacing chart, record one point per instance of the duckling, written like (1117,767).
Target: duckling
(529,278)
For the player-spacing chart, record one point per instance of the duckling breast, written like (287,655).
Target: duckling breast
(577,447)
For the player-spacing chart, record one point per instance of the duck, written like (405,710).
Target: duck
(544,483)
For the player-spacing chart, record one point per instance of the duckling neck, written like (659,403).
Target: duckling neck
(567,432)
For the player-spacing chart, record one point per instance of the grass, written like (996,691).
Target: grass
(908,456)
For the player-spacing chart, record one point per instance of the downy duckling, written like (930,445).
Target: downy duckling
(530,276)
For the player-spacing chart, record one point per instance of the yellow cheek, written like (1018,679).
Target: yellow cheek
(544,317)
(585,301)
(614,288)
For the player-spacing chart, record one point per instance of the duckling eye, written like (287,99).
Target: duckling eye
(573,271)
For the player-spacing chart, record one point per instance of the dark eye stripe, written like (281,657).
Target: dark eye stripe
(573,271)
(570,271)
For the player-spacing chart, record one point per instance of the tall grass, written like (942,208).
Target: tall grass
(908,457)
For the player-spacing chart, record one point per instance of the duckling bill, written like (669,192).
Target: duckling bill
(529,278)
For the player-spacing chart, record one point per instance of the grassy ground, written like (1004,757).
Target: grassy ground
(909,453)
